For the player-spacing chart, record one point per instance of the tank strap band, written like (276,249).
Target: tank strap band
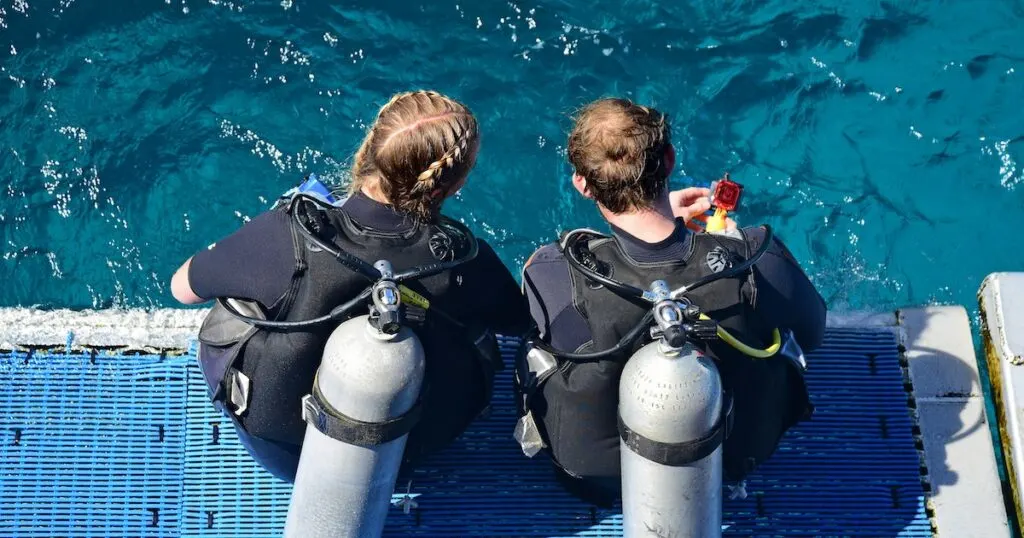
(332,423)
(679,454)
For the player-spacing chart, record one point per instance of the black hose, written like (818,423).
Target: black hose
(624,344)
(632,292)
(359,267)
(367,270)
(620,288)
(431,269)
(335,314)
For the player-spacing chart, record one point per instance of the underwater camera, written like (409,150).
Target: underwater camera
(725,193)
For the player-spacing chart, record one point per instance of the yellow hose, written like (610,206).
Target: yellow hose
(718,223)
(765,353)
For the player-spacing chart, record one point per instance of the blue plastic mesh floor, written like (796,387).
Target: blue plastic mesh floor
(104,445)
(91,445)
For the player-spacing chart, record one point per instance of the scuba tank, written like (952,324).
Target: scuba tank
(365,398)
(673,418)
(363,404)
(673,412)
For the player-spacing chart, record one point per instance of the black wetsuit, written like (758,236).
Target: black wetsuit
(258,262)
(784,292)
(575,409)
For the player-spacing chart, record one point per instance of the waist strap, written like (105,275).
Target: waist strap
(336,425)
(679,454)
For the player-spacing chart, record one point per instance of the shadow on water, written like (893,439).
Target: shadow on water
(890,26)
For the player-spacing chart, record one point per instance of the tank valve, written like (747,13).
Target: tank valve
(385,314)
(669,316)
(672,415)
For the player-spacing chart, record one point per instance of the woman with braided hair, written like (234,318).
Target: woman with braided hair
(418,152)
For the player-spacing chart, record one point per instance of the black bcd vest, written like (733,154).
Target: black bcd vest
(277,367)
(575,408)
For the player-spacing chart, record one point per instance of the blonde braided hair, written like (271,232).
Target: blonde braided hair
(421,146)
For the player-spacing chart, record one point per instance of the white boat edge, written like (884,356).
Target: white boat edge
(175,328)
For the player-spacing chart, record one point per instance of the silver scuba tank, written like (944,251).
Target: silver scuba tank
(363,403)
(673,418)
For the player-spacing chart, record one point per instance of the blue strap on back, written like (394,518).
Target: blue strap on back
(314,187)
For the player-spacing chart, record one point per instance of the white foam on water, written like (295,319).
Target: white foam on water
(164,328)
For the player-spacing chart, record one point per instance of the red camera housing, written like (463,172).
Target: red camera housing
(725,194)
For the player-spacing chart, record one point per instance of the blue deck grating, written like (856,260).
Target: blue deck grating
(91,445)
(81,454)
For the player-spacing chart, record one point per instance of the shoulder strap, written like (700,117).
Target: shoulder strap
(737,246)
(578,244)
(299,252)
(750,274)
(564,238)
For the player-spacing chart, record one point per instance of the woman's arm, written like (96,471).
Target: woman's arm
(256,263)
(181,289)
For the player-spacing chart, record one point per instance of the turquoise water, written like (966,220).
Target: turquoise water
(881,139)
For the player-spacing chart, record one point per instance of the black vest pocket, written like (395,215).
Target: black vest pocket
(456,391)
(770,397)
(485,346)
(221,339)
(577,409)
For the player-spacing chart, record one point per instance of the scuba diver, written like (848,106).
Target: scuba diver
(285,274)
(745,280)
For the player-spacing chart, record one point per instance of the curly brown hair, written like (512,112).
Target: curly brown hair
(420,146)
(619,148)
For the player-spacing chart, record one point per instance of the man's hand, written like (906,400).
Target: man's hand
(691,204)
